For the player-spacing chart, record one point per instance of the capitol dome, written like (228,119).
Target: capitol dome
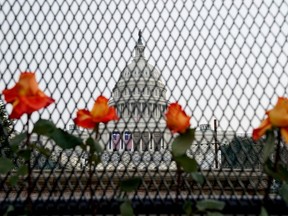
(139,93)
(139,97)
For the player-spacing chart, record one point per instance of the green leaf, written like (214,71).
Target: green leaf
(83,146)
(263,212)
(283,191)
(198,177)
(24,153)
(130,184)
(94,159)
(183,142)
(6,165)
(22,170)
(188,164)
(44,127)
(94,146)
(65,140)
(44,151)
(281,172)
(214,213)
(126,209)
(269,145)
(18,139)
(9,209)
(13,180)
(205,205)
(14,147)
(187,207)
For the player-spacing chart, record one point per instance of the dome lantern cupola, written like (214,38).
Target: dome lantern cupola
(139,48)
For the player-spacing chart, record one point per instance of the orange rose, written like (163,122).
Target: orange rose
(277,117)
(176,119)
(25,96)
(101,112)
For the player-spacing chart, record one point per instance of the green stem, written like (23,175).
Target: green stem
(28,162)
(277,157)
(178,189)
(96,129)
(91,171)
(275,166)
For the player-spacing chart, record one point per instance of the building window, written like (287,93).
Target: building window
(146,73)
(128,142)
(116,140)
(136,140)
(156,92)
(157,136)
(136,74)
(145,141)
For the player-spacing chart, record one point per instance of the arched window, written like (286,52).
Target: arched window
(157,136)
(136,74)
(116,140)
(156,92)
(128,141)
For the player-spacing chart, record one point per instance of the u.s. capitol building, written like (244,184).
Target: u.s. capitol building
(140,139)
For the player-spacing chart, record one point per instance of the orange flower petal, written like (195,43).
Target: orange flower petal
(28,83)
(279,115)
(100,107)
(101,112)
(84,119)
(261,130)
(111,115)
(25,96)
(284,133)
(176,119)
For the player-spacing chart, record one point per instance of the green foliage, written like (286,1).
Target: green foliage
(13,180)
(44,127)
(10,209)
(208,205)
(42,150)
(94,146)
(65,140)
(214,213)
(18,139)
(187,207)
(95,151)
(280,172)
(269,145)
(6,165)
(283,191)
(180,146)
(62,138)
(189,165)
(22,170)
(5,132)
(126,209)
(198,177)
(183,142)
(131,184)
(263,212)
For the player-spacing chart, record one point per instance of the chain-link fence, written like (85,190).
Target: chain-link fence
(224,62)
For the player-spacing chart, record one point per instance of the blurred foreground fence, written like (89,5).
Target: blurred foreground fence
(224,62)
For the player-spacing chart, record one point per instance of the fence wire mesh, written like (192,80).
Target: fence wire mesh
(224,62)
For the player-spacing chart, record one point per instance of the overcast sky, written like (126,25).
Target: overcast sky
(221,59)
